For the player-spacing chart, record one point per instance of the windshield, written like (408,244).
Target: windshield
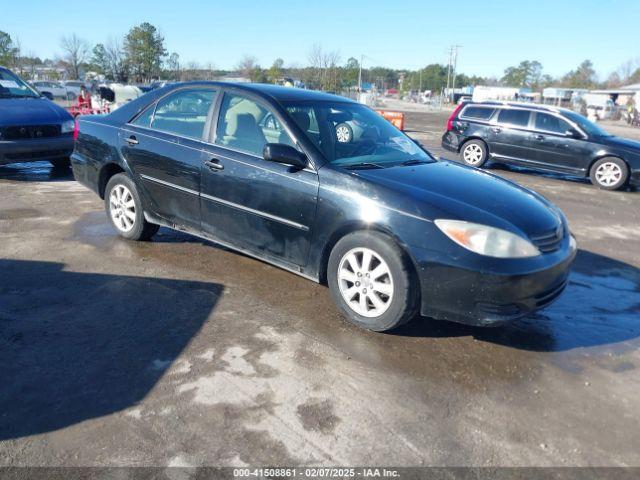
(351,134)
(11,86)
(590,128)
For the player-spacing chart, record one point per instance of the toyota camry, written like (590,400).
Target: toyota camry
(390,229)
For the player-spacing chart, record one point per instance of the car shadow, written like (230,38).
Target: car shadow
(76,346)
(600,307)
(556,176)
(35,172)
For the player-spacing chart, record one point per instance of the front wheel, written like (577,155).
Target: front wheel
(344,133)
(474,153)
(124,209)
(372,282)
(609,173)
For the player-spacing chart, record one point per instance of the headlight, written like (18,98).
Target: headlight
(489,241)
(68,126)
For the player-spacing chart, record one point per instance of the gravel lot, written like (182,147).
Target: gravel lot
(178,352)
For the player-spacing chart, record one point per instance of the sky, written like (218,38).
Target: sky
(493,35)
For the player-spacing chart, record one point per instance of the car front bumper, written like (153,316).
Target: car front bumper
(15,151)
(502,292)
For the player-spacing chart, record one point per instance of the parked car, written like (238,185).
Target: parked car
(392,230)
(51,90)
(542,137)
(73,88)
(31,126)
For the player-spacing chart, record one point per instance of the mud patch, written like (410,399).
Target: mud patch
(308,358)
(318,415)
(18,213)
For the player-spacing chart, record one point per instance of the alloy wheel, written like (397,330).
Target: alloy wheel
(365,282)
(472,154)
(608,174)
(343,134)
(122,208)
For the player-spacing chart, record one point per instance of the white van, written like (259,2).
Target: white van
(599,106)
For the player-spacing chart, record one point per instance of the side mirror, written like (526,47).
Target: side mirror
(281,153)
(573,133)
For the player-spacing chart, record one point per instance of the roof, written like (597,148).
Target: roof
(634,87)
(277,92)
(531,106)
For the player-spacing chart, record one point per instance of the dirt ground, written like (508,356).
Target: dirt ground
(177,352)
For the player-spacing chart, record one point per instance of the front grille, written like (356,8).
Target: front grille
(29,132)
(549,241)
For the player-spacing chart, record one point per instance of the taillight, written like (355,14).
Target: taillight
(76,130)
(453,117)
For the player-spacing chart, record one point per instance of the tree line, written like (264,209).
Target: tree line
(141,56)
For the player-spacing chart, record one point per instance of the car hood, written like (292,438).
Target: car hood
(31,111)
(623,143)
(450,190)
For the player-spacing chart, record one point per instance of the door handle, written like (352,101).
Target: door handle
(132,140)
(539,137)
(213,164)
(496,129)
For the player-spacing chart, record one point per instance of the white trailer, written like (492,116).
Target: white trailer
(483,94)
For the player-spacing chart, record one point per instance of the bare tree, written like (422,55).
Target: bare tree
(76,52)
(626,70)
(247,65)
(324,68)
(17,56)
(116,60)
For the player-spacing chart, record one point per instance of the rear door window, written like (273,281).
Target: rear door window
(480,113)
(514,118)
(183,113)
(551,123)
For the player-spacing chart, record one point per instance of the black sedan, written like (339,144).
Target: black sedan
(31,126)
(392,230)
(542,137)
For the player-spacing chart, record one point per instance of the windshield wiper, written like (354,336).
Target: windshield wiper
(363,166)
(414,161)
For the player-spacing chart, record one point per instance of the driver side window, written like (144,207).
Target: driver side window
(248,125)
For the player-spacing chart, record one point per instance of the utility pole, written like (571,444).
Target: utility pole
(420,81)
(360,74)
(455,66)
(449,71)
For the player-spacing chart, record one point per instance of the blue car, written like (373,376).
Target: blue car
(32,127)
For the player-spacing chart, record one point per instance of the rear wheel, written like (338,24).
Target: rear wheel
(609,173)
(474,153)
(371,281)
(124,209)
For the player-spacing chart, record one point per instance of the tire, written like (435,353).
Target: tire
(474,153)
(397,289)
(344,133)
(609,173)
(124,209)
(60,163)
